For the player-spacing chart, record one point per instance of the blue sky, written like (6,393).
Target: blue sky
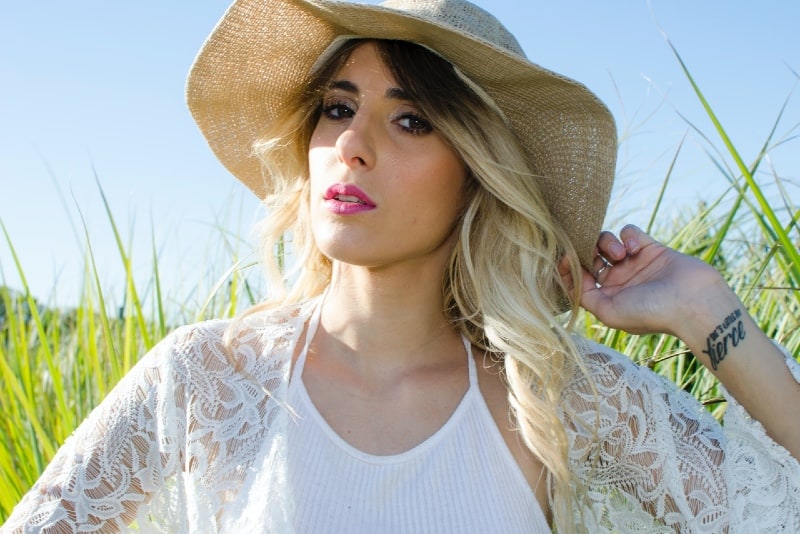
(97,87)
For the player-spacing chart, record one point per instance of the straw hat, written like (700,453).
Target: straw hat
(262,50)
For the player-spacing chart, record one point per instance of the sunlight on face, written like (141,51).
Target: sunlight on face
(385,187)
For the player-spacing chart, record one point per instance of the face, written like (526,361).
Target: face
(386,189)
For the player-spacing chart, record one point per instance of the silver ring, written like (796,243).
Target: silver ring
(606,265)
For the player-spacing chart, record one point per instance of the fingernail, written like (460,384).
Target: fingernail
(632,245)
(617,249)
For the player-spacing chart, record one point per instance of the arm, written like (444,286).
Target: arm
(177,439)
(652,288)
(654,460)
(111,464)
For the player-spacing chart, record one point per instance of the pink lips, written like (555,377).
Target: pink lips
(347,199)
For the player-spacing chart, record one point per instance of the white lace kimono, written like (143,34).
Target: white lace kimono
(188,443)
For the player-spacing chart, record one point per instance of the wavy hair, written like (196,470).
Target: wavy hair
(501,289)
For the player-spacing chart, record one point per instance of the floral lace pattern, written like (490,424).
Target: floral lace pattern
(193,440)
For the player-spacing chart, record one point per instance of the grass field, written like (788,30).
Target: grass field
(56,364)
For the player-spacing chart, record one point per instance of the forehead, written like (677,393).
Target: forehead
(366,63)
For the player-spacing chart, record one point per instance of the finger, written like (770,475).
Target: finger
(564,266)
(600,268)
(591,297)
(634,238)
(565,272)
(610,247)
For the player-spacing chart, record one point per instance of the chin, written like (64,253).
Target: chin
(351,258)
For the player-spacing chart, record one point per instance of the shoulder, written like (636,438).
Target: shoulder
(604,372)
(611,388)
(248,345)
(610,371)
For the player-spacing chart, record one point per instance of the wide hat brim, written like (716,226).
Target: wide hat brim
(262,51)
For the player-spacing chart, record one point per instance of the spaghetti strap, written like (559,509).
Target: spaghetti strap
(473,372)
(313,324)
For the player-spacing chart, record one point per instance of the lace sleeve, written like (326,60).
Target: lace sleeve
(651,458)
(763,477)
(115,459)
(174,443)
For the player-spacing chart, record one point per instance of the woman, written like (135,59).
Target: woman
(443,200)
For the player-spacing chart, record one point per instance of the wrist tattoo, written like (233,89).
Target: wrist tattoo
(728,332)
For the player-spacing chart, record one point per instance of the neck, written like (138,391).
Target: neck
(375,316)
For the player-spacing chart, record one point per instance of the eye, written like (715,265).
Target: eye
(337,110)
(414,123)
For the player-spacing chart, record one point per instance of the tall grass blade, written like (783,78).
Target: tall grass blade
(775,225)
(33,308)
(127,264)
(662,191)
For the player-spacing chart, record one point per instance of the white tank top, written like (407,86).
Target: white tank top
(461,479)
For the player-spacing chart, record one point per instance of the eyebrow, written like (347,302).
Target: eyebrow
(394,93)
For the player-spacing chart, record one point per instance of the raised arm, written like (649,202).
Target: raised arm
(646,287)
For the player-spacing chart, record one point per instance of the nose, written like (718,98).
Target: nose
(355,146)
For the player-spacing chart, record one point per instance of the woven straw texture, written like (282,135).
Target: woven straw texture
(262,51)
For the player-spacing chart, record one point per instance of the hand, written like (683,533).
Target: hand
(648,287)
(641,286)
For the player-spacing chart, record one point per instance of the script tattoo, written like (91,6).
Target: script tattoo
(728,332)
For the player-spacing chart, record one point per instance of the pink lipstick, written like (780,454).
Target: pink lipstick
(347,199)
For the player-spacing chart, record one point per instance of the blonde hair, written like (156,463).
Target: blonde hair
(501,289)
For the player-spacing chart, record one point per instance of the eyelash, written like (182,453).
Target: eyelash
(424,125)
(331,109)
(336,105)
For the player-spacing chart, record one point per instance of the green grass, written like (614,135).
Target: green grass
(750,236)
(56,364)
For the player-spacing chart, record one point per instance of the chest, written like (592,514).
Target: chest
(461,478)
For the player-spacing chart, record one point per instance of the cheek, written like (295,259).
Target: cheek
(316,156)
(318,163)
(324,232)
(321,146)
(451,188)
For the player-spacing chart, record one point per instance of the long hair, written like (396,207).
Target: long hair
(501,289)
